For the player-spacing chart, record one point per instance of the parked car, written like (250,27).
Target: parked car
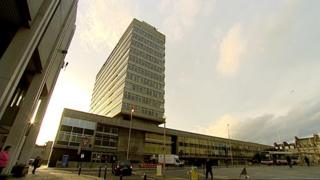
(123,167)
(30,161)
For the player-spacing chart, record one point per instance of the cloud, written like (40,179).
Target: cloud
(182,14)
(302,120)
(101,23)
(231,49)
(219,127)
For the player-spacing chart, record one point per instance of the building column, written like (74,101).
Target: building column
(31,138)
(17,56)
(32,135)
(21,124)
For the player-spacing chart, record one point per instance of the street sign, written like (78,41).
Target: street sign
(82,156)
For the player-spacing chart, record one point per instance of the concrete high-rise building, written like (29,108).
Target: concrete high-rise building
(133,76)
(34,40)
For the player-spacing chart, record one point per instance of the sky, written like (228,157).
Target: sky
(254,65)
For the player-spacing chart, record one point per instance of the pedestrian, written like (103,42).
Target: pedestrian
(208,169)
(306,159)
(289,161)
(36,163)
(4,158)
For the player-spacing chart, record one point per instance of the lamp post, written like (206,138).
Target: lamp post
(164,147)
(230,146)
(128,149)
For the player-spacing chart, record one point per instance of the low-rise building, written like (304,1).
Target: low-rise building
(43,151)
(306,147)
(100,138)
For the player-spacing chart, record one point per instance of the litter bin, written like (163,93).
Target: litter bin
(194,175)
(20,170)
(159,170)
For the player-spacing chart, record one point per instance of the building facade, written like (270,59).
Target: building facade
(306,147)
(133,76)
(34,40)
(99,138)
(43,151)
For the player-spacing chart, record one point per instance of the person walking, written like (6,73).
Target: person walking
(307,160)
(208,169)
(289,161)
(36,163)
(4,158)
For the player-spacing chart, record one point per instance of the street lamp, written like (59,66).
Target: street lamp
(164,147)
(230,146)
(128,149)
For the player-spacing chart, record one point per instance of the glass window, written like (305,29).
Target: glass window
(88,131)
(66,128)
(77,130)
(74,144)
(62,142)
(100,127)
(97,142)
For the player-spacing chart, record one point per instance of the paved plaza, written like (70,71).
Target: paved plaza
(254,172)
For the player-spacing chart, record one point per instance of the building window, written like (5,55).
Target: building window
(88,131)
(106,140)
(66,128)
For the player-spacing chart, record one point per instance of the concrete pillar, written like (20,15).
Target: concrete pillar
(31,138)
(21,123)
(17,56)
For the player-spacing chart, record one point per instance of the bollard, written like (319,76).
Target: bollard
(99,175)
(79,170)
(120,176)
(144,176)
(105,172)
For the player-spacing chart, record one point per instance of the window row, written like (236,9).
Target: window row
(146,56)
(100,157)
(106,140)
(144,90)
(72,139)
(111,67)
(77,130)
(196,151)
(143,110)
(144,81)
(146,64)
(219,146)
(145,72)
(144,100)
(147,42)
(156,148)
(148,35)
(107,129)
(147,49)
(202,146)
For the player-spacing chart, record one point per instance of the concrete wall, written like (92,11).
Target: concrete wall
(32,61)
(136,144)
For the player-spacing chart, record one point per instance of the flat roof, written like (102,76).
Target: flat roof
(139,124)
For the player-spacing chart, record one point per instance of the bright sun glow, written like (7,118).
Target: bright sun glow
(66,94)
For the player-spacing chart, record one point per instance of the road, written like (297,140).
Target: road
(254,172)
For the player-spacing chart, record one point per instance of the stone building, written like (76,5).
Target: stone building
(43,151)
(306,147)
